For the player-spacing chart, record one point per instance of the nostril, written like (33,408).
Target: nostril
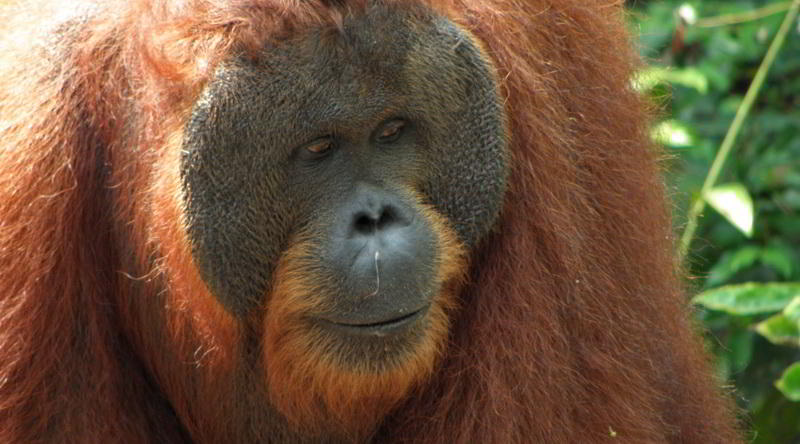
(369,223)
(365,224)
(388,217)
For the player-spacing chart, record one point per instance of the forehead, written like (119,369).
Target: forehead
(373,63)
(379,45)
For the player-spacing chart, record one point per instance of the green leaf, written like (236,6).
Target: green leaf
(730,104)
(792,311)
(731,263)
(723,45)
(673,133)
(786,225)
(648,78)
(780,258)
(789,199)
(740,346)
(718,72)
(688,77)
(779,330)
(789,383)
(734,202)
(750,298)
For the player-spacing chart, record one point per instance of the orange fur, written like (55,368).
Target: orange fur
(196,310)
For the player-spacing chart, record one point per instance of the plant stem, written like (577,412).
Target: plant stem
(741,114)
(741,17)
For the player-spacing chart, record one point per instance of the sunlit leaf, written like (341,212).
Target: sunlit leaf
(750,298)
(687,13)
(780,330)
(688,77)
(734,202)
(789,383)
(673,133)
(792,311)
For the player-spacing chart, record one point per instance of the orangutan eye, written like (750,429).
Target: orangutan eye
(391,131)
(319,147)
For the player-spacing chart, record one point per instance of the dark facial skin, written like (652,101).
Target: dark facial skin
(337,138)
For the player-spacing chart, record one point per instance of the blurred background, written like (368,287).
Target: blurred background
(730,119)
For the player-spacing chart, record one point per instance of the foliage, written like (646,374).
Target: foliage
(745,254)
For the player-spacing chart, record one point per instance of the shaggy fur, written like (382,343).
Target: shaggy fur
(571,327)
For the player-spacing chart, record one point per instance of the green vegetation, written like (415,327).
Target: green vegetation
(728,75)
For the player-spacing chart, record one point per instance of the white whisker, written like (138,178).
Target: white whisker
(377,274)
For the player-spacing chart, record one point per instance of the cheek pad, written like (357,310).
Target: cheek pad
(469,151)
(238,212)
